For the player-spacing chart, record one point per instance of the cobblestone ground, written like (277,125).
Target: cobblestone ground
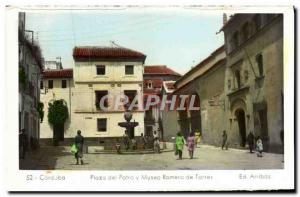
(206,157)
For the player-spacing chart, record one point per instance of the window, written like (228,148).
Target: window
(150,85)
(102,124)
(130,94)
(99,96)
(63,83)
(259,61)
(229,84)
(50,84)
(41,84)
(238,78)
(100,70)
(129,70)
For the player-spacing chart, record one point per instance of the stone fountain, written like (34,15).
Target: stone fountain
(129,126)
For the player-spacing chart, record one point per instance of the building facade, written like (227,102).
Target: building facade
(30,68)
(254,79)
(169,117)
(55,85)
(205,82)
(99,72)
(154,78)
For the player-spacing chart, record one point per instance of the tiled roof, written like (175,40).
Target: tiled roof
(63,73)
(106,52)
(160,69)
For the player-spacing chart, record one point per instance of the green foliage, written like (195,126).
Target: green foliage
(22,77)
(57,112)
(40,109)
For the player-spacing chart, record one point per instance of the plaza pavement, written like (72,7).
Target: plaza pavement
(206,157)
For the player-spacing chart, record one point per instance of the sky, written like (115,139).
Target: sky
(178,38)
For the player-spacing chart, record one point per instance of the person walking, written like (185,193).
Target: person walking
(179,141)
(79,140)
(259,146)
(224,140)
(191,142)
(197,137)
(250,140)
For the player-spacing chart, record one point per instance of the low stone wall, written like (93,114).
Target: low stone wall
(108,142)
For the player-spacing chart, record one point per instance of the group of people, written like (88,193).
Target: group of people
(145,142)
(191,143)
(253,142)
(194,138)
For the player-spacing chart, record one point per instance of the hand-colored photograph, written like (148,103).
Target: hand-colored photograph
(150,89)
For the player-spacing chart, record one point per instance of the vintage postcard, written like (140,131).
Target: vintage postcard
(150,98)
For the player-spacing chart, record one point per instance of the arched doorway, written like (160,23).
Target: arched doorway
(184,122)
(240,116)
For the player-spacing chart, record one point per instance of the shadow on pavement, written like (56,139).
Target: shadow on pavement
(43,159)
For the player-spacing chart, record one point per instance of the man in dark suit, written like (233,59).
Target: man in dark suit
(79,140)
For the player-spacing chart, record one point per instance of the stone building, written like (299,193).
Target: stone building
(169,117)
(206,82)
(254,79)
(154,77)
(30,68)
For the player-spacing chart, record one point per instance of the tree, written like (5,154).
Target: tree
(57,115)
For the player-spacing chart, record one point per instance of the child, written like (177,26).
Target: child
(259,146)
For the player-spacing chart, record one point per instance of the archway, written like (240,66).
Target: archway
(240,116)
(184,122)
(196,115)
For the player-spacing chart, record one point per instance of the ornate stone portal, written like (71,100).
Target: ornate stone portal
(128,125)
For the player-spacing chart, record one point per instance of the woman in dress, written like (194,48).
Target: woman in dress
(179,141)
(191,141)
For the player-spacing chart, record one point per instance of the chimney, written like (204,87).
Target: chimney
(224,18)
